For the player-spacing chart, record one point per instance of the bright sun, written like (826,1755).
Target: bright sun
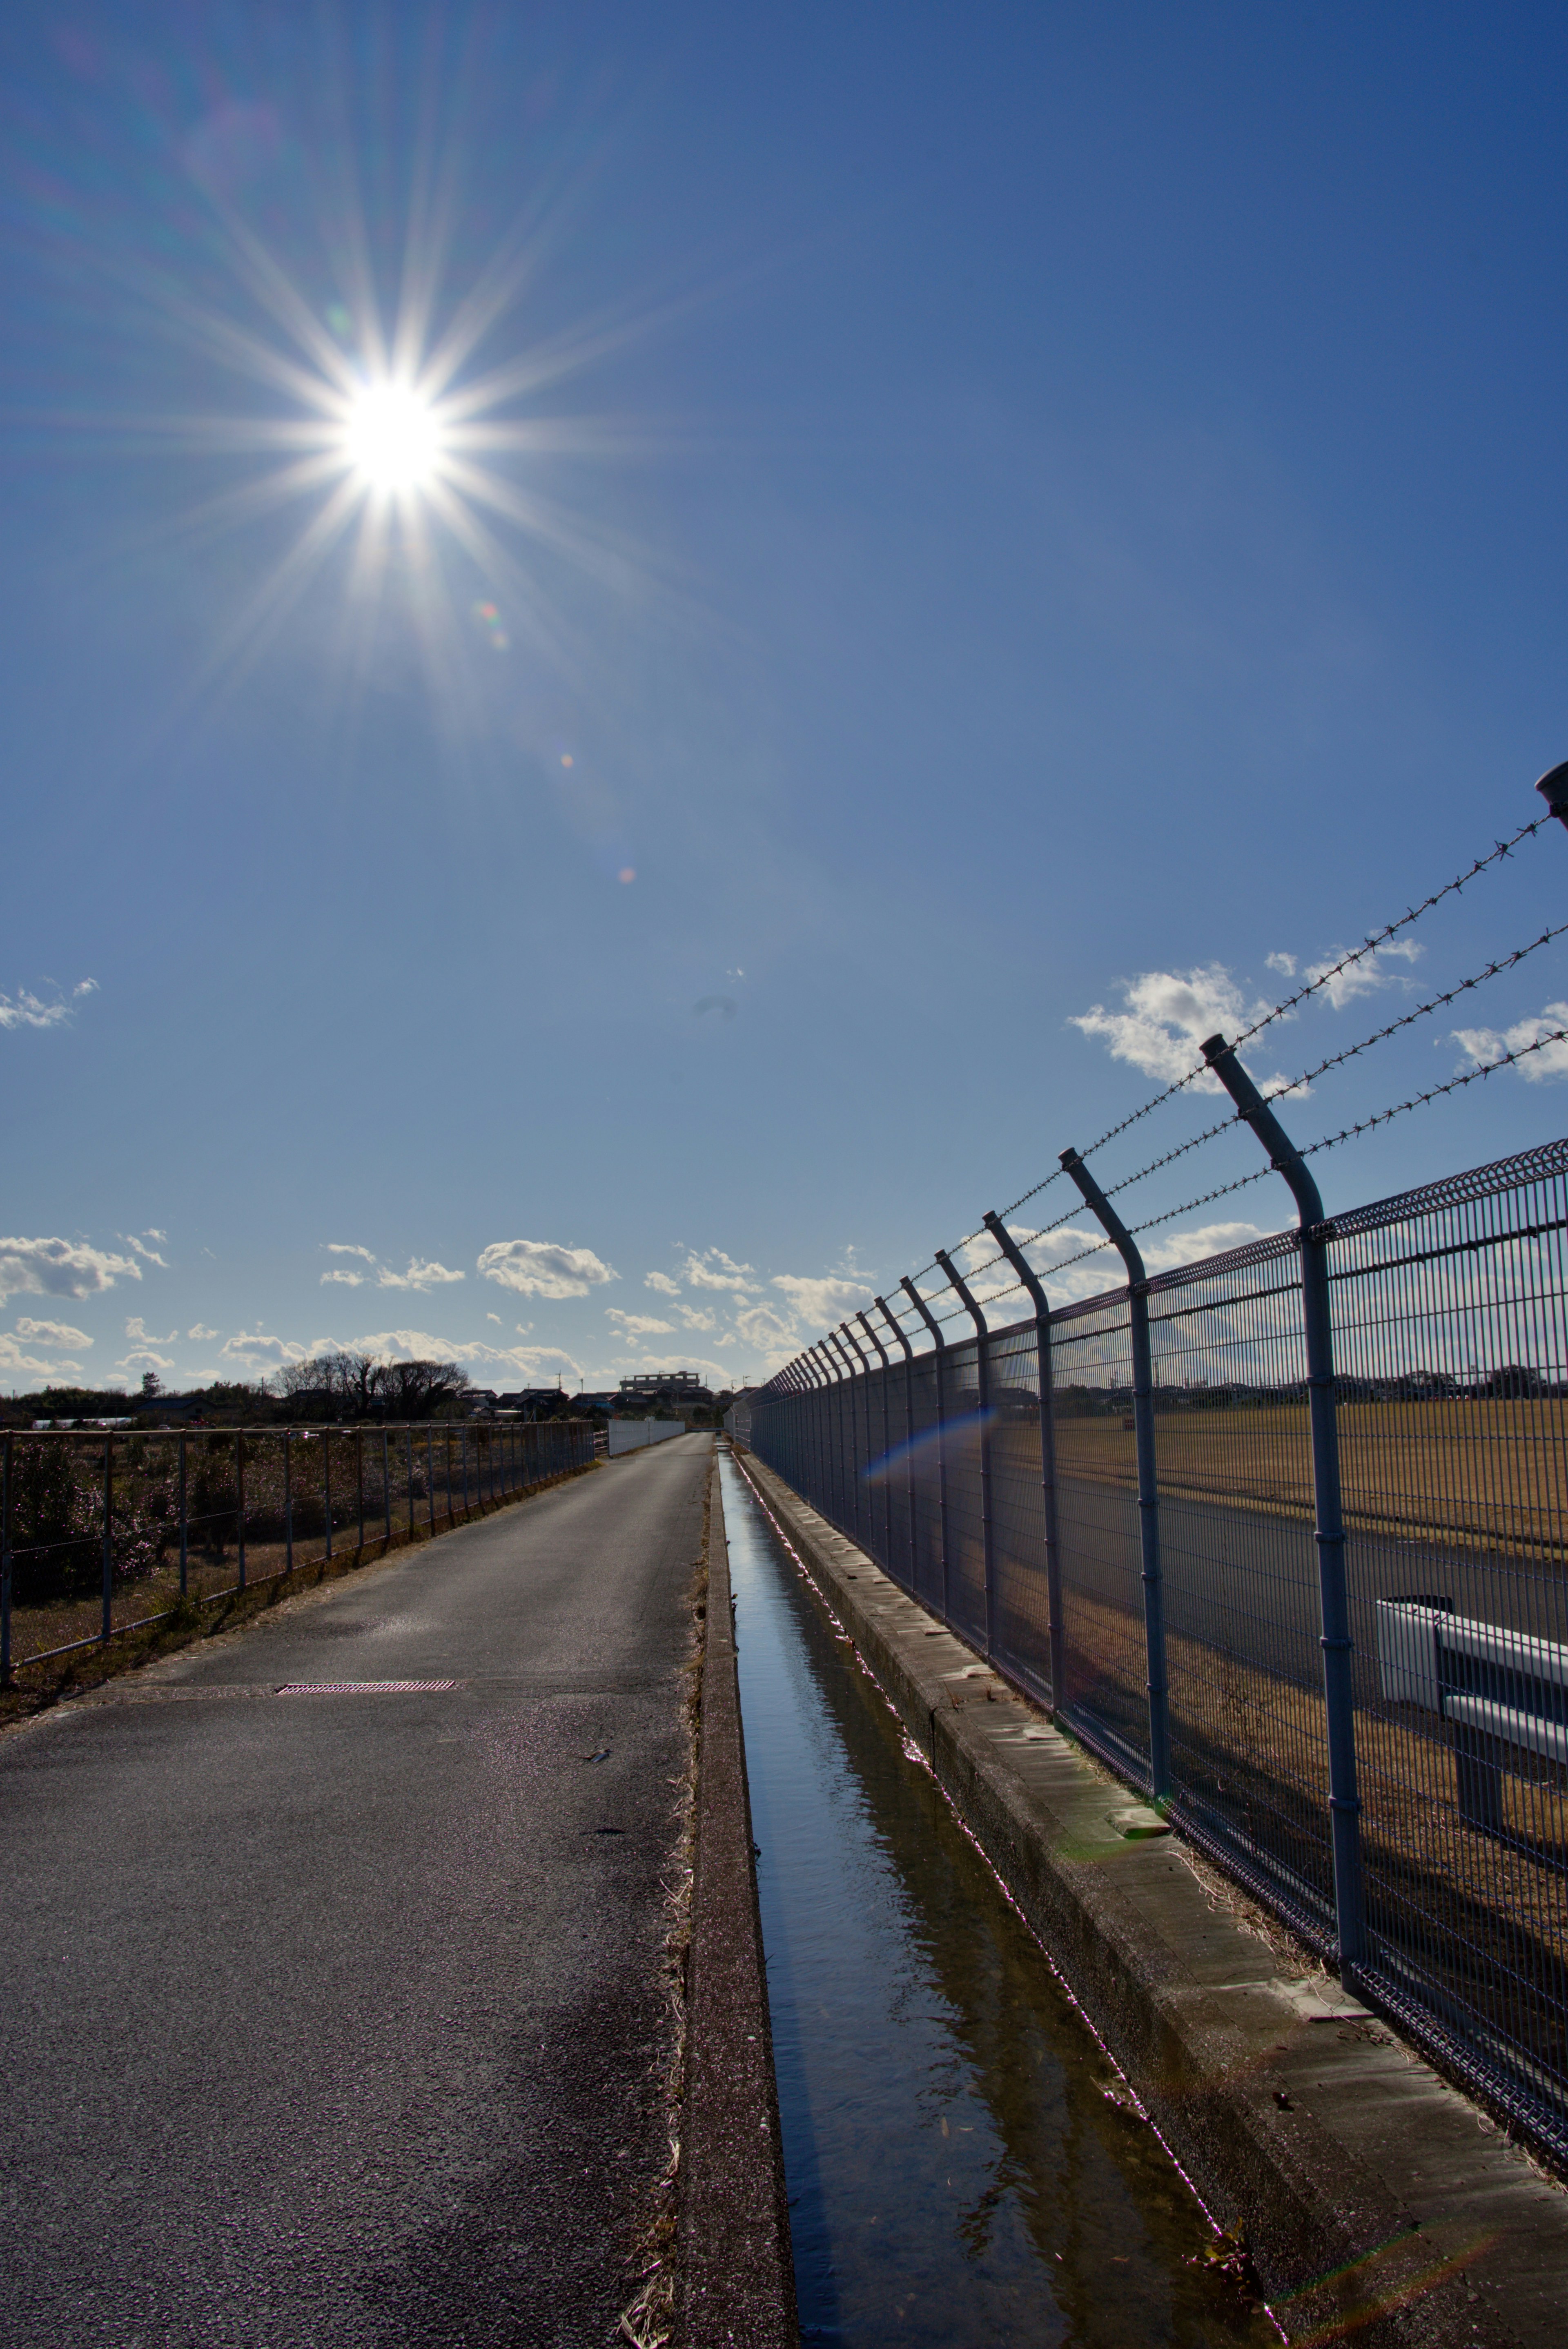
(392,438)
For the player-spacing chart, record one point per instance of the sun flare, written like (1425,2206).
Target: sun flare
(392,438)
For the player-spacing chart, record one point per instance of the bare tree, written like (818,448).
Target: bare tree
(418,1389)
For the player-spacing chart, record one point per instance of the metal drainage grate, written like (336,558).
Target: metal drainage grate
(361,1688)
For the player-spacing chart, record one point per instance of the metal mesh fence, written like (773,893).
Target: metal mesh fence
(1449,1313)
(102,1532)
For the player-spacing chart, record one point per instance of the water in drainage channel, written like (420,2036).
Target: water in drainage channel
(961,2166)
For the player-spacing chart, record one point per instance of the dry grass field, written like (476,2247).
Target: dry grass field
(1487,1474)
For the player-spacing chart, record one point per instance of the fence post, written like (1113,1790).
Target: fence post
(1055,1629)
(387,1482)
(107,1533)
(842,1389)
(940,1343)
(887,1442)
(184,1519)
(824,1428)
(1148,1484)
(359,1480)
(409,1462)
(430,1474)
(5,1569)
(477,1469)
(1333,1599)
(851,1497)
(816,1426)
(983,1389)
(893,1323)
(288,1500)
(862,1476)
(326,1484)
(240,1498)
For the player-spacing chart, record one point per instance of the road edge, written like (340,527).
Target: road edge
(735,2276)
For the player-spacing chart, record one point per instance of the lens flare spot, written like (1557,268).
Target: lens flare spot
(627,872)
(567,760)
(488,618)
(391,436)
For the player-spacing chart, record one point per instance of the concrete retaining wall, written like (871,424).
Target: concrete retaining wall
(1372,2198)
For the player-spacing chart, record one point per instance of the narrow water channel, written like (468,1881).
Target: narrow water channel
(961,2171)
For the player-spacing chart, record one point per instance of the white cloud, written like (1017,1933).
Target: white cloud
(663,1283)
(821,1301)
(761,1327)
(50,1333)
(493,1317)
(1284,964)
(144,1358)
(1204,1239)
(541,1268)
(1167,1015)
(137,1329)
(1481,1044)
(695,1317)
(637,1325)
(14,1362)
(254,1350)
(90,986)
(202,1337)
(1364,977)
(149,1255)
(54,1267)
(711,1269)
(422,1274)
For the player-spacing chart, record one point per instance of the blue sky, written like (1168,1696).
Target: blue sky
(990,513)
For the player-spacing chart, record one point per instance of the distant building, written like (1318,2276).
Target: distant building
(664,1386)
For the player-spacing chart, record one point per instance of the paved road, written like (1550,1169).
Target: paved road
(333,2020)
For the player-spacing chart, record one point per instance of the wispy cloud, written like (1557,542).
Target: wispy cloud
(201,1336)
(543,1268)
(662,1284)
(711,1269)
(138,1240)
(637,1325)
(25,1010)
(56,1267)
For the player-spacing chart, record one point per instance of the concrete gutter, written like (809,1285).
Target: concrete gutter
(1372,2197)
(735,2273)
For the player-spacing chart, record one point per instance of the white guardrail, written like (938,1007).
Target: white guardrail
(1506,1685)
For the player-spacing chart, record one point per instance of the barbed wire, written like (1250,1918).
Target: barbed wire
(1436,1093)
(1380,939)
(1320,979)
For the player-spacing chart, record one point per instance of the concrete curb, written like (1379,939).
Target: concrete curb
(1372,2196)
(735,2274)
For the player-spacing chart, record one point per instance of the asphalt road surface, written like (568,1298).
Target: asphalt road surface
(335,2019)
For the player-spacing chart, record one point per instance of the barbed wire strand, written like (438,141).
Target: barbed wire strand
(1280,1011)
(1224,1190)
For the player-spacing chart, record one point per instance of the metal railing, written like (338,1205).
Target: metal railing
(102,1533)
(1281,1537)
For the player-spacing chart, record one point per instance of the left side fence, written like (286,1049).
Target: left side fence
(106,1532)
